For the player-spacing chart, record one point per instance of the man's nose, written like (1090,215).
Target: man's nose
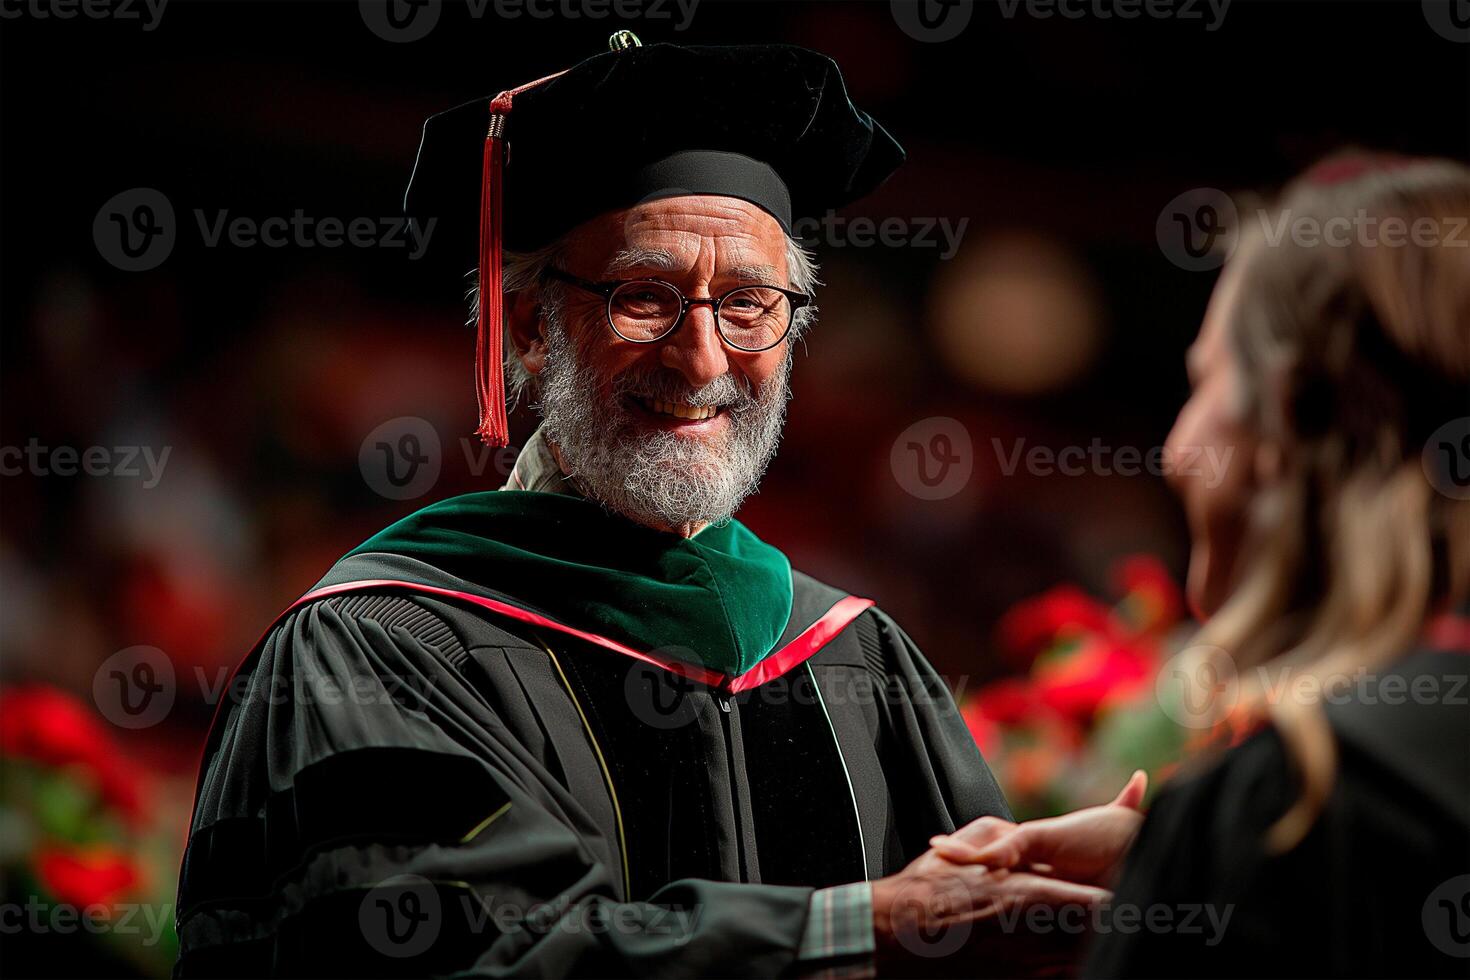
(695,350)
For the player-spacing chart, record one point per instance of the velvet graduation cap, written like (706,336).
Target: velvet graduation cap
(770,124)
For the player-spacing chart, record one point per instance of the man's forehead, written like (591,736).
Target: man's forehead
(673,233)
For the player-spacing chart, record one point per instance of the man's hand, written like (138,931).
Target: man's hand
(1083,846)
(937,917)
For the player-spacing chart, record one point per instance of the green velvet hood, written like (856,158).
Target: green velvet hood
(720,599)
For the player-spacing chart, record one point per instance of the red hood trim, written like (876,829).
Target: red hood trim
(801,649)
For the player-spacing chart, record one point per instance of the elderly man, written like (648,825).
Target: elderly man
(589,724)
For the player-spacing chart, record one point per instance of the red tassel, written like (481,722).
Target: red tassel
(494,428)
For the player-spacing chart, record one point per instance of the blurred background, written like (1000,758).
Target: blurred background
(189,415)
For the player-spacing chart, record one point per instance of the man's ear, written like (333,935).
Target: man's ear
(527,329)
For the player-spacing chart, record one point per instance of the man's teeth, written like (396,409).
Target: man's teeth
(680,411)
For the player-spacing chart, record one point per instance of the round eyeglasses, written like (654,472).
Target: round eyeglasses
(644,311)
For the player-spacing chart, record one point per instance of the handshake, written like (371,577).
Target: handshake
(965,906)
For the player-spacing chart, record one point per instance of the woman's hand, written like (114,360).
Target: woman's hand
(1083,846)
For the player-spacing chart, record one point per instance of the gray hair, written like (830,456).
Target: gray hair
(527,270)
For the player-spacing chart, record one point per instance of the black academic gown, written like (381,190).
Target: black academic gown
(411,785)
(1380,887)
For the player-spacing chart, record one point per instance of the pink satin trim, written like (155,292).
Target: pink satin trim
(801,649)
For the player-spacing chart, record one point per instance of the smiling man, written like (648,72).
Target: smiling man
(590,724)
(663,383)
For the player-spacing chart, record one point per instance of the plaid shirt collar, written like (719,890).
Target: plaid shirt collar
(536,469)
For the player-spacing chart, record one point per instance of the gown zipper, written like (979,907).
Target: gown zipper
(726,708)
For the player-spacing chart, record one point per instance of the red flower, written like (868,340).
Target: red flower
(983,730)
(1152,601)
(1009,701)
(1033,625)
(1097,672)
(97,876)
(53,728)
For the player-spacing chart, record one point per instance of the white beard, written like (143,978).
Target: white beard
(654,477)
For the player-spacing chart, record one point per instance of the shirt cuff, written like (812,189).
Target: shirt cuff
(839,927)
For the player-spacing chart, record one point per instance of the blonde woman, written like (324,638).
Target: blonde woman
(1332,571)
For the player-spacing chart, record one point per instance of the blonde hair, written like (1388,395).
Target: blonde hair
(1351,351)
